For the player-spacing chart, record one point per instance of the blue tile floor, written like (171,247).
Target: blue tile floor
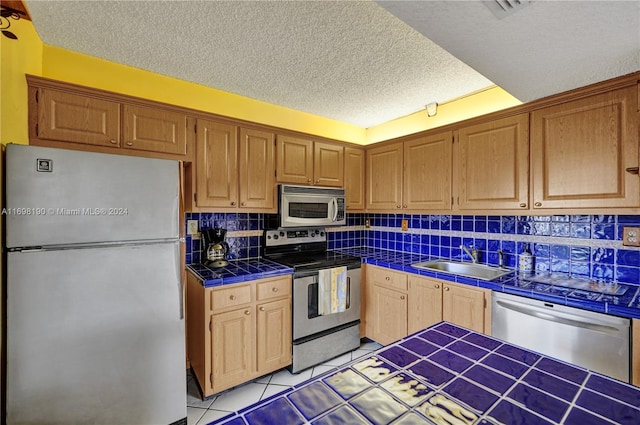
(202,412)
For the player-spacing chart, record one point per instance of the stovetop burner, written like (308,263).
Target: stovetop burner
(303,250)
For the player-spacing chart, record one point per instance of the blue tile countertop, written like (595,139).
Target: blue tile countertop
(237,271)
(450,375)
(538,286)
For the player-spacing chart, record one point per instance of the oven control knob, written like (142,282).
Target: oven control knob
(321,233)
(269,237)
(275,236)
(281,234)
(313,235)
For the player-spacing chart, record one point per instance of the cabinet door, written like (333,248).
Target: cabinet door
(155,130)
(256,168)
(295,160)
(232,348)
(354,178)
(581,152)
(217,162)
(464,306)
(425,303)
(384,176)
(386,315)
(75,118)
(328,165)
(427,172)
(274,335)
(493,165)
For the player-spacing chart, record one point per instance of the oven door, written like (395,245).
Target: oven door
(306,320)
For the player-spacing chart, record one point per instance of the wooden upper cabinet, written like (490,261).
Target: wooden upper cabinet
(217,161)
(295,160)
(155,130)
(328,164)
(69,117)
(493,165)
(354,178)
(384,177)
(306,162)
(256,169)
(585,152)
(427,172)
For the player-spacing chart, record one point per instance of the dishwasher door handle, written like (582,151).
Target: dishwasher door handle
(524,309)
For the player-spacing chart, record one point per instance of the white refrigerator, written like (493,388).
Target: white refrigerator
(95,321)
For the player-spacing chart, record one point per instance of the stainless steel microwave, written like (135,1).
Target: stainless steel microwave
(308,206)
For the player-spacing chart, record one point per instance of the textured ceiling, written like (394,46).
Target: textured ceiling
(353,61)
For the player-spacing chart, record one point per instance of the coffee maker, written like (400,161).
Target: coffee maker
(214,248)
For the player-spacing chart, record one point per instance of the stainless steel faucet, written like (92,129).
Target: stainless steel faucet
(500,259)
(473,253)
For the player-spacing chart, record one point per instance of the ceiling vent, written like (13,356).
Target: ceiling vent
(503,8)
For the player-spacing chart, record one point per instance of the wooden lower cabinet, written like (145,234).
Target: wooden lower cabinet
(399,304)
(238,332)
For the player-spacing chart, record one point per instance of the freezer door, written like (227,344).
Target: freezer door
(95,336)
(60,197)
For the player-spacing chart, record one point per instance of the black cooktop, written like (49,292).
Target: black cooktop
(307,261)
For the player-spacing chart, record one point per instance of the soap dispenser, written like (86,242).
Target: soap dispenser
(525,261)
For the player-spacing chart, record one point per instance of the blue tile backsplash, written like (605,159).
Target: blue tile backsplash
(582,245)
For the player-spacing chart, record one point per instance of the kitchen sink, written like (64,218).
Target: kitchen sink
(476,271)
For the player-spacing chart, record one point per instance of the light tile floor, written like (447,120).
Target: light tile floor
(202,412)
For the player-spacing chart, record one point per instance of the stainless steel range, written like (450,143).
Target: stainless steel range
(321,331)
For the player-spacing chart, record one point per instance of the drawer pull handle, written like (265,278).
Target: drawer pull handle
(446,288)
(232,297)
(633,170)
(387,278)
(247,312)
(274,289)
(437,286)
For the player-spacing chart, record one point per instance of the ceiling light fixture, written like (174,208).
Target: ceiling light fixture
(432,109)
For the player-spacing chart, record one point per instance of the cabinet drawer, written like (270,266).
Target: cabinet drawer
(391,280)
(230,297)
(274,288)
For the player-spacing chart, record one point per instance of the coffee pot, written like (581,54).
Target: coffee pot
(215,248)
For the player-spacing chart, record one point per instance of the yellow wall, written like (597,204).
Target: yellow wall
(29,55)
(17,58)
(484,102)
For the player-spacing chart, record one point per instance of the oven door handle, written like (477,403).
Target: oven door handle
(348,292)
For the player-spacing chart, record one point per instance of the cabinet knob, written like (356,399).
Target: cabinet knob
(633,170)
(436,286)
(113,141)
(387,278)
(243,204)
(404,206)
(233,203)
(402,297)
(446,288)
(538,204)
(397,206)
(274,289)
(232,297)
(129,143)
(308,180)
(523,205)
(247,312)
(261,308)
(318,181)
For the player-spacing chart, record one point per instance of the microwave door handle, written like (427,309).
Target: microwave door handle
(334,203)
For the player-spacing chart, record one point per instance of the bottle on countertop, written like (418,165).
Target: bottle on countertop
(525,261)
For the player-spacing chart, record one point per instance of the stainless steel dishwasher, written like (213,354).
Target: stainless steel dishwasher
(596,341)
